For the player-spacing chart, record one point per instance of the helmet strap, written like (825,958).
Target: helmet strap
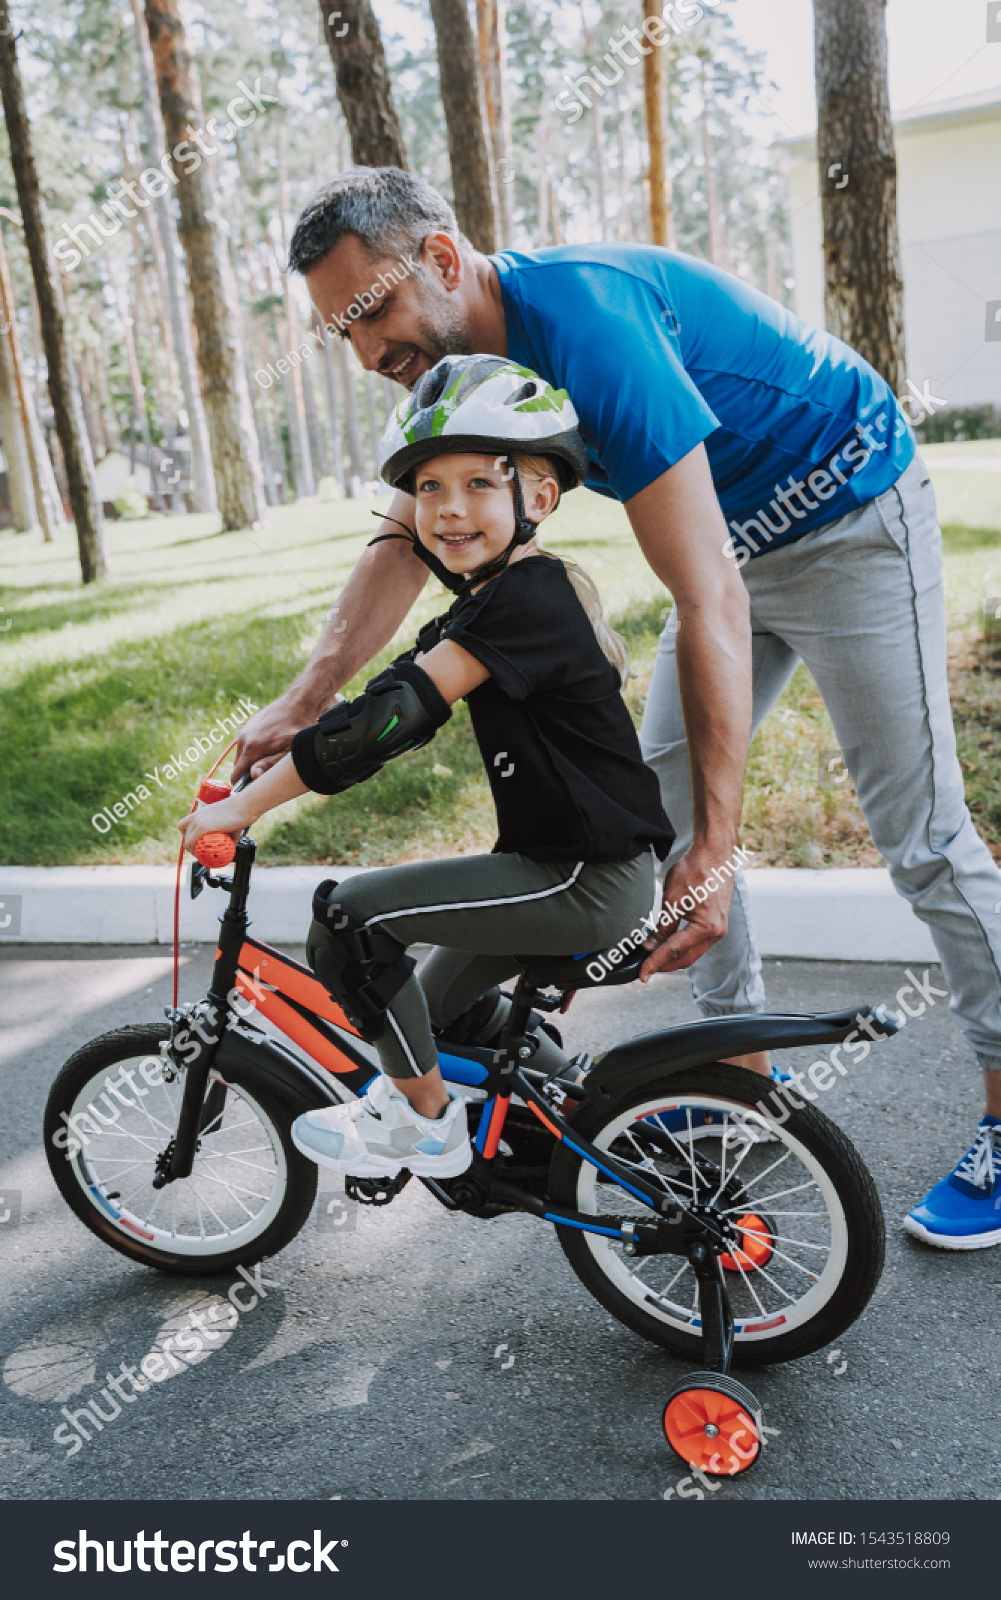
(455,581)
(524,531)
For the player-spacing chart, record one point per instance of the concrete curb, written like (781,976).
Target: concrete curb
(838,914)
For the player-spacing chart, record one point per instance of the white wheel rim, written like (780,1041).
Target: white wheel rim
(237,1183)
(806,1266)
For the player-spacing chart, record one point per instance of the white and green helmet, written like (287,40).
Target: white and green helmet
(484,404)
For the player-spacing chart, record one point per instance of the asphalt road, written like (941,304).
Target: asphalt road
(372,1369)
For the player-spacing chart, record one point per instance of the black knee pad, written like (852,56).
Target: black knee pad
(363,968)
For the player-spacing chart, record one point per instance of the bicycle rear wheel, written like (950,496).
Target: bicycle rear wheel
(801,1209)
(111,1113)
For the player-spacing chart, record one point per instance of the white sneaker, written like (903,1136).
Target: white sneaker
(381,1133)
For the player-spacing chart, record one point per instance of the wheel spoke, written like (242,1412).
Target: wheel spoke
(773,1238)
(765,1199)
(237,1184)
(748,1286)
(786,1187)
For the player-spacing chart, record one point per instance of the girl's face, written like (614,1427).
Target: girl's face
(465,508)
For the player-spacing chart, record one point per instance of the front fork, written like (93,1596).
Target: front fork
(198,1110)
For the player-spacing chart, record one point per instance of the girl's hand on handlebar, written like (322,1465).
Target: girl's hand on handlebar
(226,816)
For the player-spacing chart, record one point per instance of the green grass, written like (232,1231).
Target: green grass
(102,685)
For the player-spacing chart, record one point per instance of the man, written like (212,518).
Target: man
(773,485)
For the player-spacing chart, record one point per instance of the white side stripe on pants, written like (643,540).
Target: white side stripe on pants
(475,905)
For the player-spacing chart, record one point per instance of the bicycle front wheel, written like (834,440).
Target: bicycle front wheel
(111,1113)
(799,1206)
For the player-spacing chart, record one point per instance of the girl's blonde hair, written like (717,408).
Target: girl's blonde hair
(612,645)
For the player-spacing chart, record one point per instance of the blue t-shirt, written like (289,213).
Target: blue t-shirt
(660,351)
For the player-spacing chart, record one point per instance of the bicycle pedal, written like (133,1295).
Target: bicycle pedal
(375,1191)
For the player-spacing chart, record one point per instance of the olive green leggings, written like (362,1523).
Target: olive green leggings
(480,912)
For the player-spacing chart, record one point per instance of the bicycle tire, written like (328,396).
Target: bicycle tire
(90,1067)
(864,1227)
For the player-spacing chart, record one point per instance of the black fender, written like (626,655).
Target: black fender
(650,1056)
(265,1064)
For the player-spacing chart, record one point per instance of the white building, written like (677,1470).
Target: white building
(949,214)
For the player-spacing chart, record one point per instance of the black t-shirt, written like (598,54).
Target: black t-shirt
(557,742)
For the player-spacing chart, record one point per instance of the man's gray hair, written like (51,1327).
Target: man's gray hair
(390,211)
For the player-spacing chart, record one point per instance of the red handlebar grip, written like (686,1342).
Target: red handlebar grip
(210,790)
(215,850)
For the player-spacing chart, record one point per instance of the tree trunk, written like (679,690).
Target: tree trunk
(203,493)
(542,193)
(62,389)
(317,443)
(373,422)
(465,123)
(863,288)
(43,480)
(22,499)
(140,416)
(330,376)
(654,82)
(233,440)
(491,28)
(267,466)
(352,431)
(623,222)
(719,248)
(15,448)
(363,84)
(302,461)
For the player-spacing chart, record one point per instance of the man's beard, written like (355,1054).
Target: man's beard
(447,334)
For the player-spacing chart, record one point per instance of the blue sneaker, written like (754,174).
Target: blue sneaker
(963,1212)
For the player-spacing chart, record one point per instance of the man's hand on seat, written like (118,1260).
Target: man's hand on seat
(673,947)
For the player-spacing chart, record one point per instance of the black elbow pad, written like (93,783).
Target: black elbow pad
(399,710)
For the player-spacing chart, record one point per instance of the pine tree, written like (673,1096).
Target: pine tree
(863,285)
(235,454)
(468,141)
(363,83)
(61,382)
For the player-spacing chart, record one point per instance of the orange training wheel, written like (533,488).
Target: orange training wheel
(215,850)
(710,1429)
(753,1251)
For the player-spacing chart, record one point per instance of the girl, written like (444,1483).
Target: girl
(485,447)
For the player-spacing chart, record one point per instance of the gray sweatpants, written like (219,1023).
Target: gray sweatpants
(860,601)
(479,912)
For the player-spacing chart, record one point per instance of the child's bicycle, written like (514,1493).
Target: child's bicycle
(728,1238)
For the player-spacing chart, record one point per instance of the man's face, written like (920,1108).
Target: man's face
(410,325)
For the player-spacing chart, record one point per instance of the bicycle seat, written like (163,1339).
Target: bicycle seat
(619,964)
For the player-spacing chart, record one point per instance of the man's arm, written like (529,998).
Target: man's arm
(376,598)
(681,531)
